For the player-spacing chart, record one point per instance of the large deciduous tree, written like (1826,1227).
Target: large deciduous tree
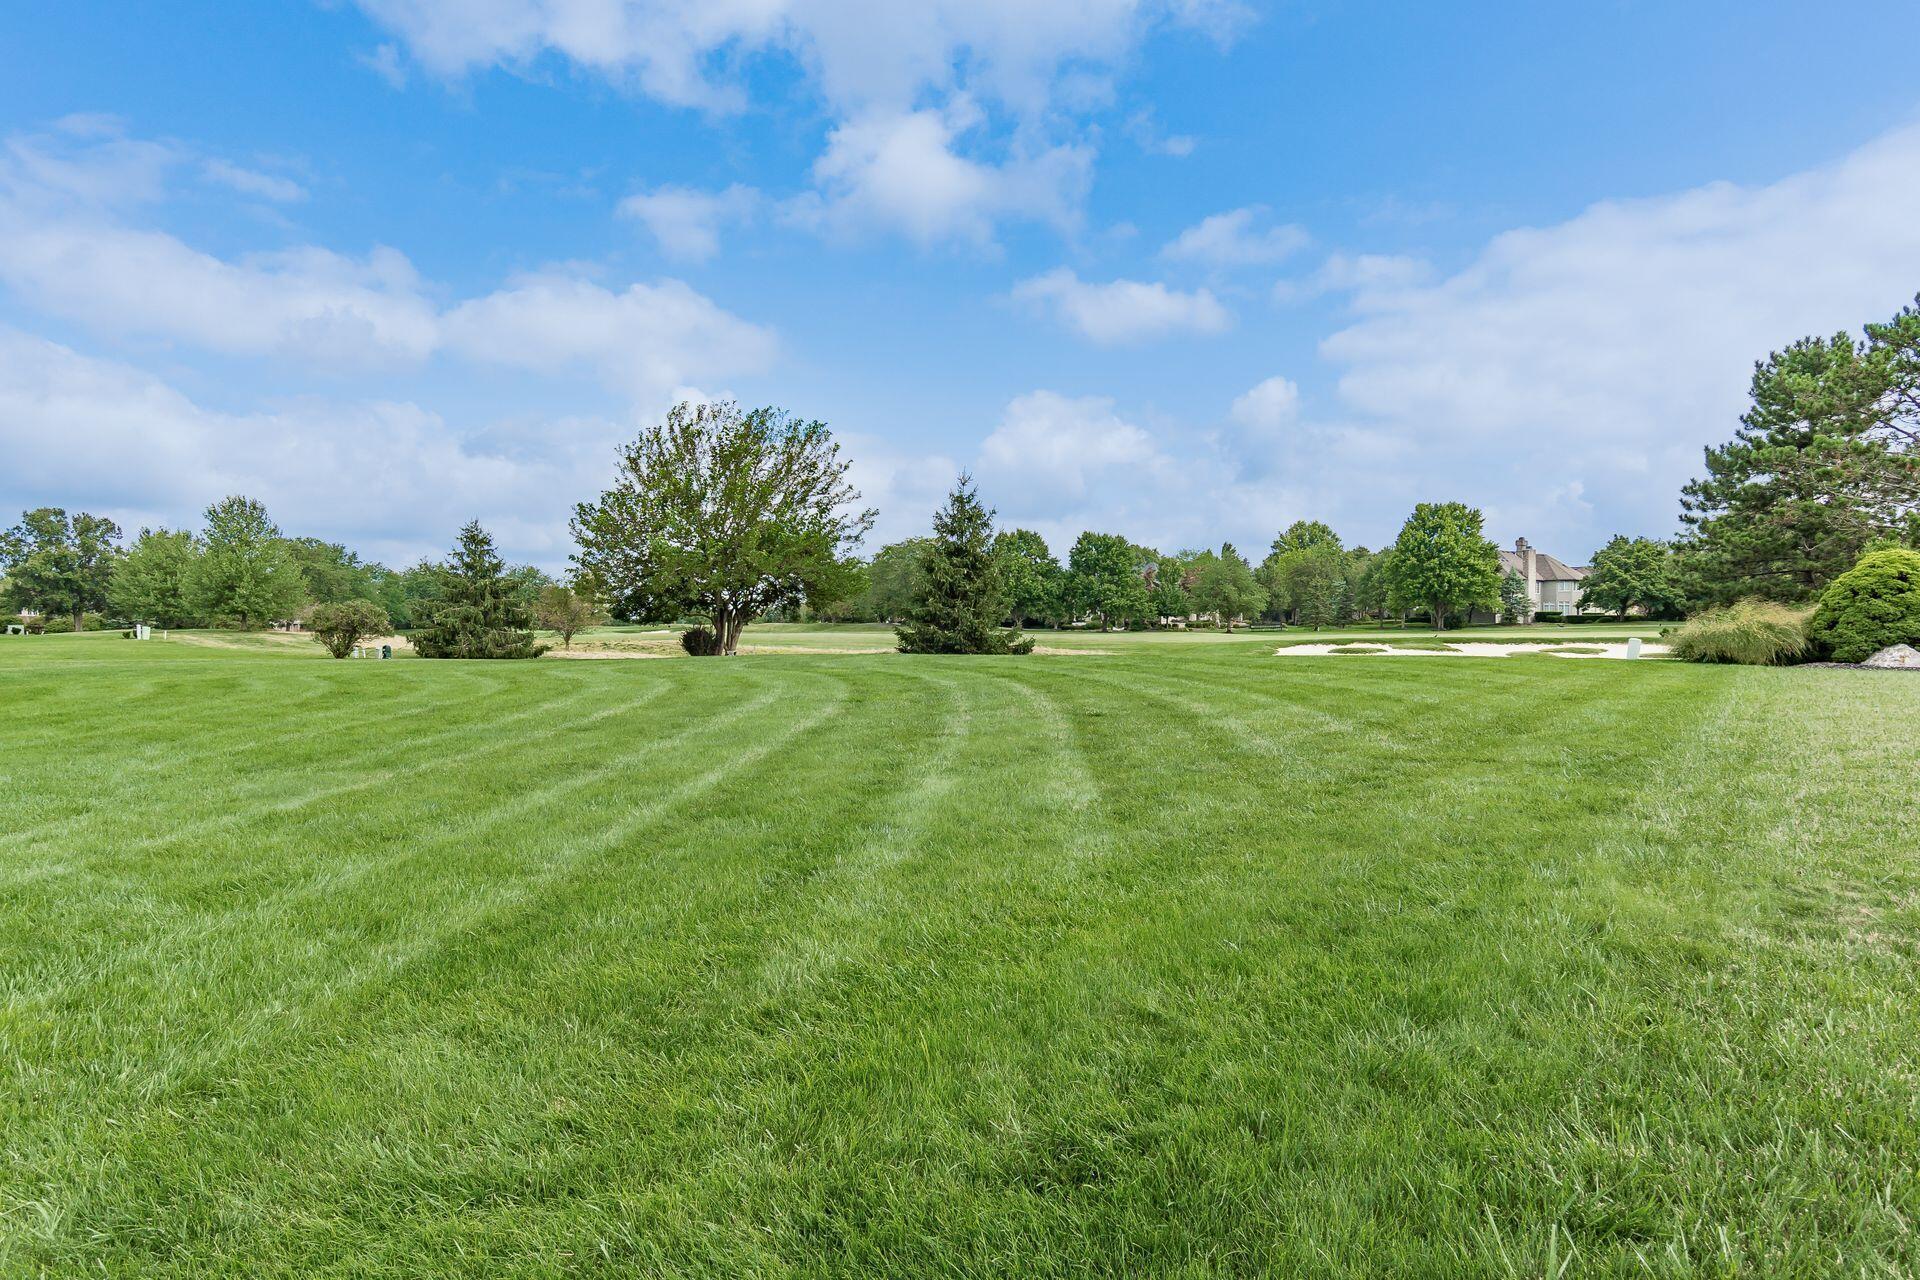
(963,597)
(56,564)
(153,581)
(1443,563)
(723,514)
(1105,578)
(478,611)
(1032,576)
(1631,573)
(246,576)
(896,578)
(1826,461)
(1224,586)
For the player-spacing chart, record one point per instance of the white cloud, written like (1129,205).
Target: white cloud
(65,253)
(1122,311)
(1063,464)
(904,172)
(687,223)
(644,340)
(308,303)
(861,54)
(1608,349)
(252,182)
(392,479)
(1366,276)
(1237,238)
(900,82)
(1268,405)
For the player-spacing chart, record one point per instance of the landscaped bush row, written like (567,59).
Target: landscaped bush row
(1870,607)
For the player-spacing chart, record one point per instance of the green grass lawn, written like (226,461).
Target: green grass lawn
(1178,960)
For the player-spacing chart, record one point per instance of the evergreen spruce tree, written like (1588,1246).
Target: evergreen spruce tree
(479,612)
(963,599)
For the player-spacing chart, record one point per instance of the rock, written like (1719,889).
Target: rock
(1896,657)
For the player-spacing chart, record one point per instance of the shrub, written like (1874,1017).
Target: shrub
(700,642)
(342,626)
(1870,606)
(1751,632)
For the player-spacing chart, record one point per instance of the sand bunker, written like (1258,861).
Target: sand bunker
(1472,649)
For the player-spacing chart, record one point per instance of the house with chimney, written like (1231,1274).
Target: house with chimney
(1552,584)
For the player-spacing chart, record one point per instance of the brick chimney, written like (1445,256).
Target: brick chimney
(1529,568)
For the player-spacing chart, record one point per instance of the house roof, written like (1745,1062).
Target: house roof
(1545,567)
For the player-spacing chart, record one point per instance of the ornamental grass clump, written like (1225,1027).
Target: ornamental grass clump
(1756,633)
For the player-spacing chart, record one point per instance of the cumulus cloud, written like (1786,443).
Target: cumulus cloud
(1268,405)
(901,83)
(687,223)
(66,248)
(1063,464)
(1365,276)
(391,478)
(1121,311)
(310,303)
(859,53)
(643,340)
(1237,238)
(904,171)
(1605,351)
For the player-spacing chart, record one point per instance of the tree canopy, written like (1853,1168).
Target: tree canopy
(1105,578)
(1224,586)
(245,576)
(723,514)
(58,564)
(153,580)
(1032,576)
(1824,463)
(1443,563)
(1631,573)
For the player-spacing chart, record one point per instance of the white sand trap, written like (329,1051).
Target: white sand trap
(1472,649)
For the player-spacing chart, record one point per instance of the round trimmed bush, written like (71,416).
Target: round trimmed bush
(1870,606)
(1752,632)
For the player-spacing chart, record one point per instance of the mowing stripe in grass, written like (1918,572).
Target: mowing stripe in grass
(242,739)
(239,814)
(195,1071)
(215,924)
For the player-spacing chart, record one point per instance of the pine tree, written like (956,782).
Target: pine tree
(1823,464)
(963,599)
(479,612)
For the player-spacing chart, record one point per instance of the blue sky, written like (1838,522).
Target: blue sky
(1184,270)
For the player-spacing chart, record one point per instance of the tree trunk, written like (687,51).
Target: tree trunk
(79,621)
(1439,612)
(727,624)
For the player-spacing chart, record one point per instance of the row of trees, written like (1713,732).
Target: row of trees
(728,515)
(240,571)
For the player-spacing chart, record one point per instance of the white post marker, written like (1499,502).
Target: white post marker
(1633,647)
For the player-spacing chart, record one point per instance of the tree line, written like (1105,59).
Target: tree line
(720,515)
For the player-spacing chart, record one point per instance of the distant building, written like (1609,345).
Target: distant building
(1553,585)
